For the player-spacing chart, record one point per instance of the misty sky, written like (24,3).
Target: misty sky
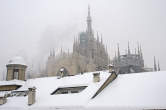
(31,28)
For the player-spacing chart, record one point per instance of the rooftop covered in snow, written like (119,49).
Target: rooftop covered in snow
(139,90)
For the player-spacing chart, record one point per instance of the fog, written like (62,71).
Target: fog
(31,28)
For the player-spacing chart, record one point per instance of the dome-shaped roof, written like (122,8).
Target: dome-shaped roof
(17,60)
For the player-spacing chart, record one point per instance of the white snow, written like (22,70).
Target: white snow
(45,86)
(62,69)
(12,82)
(17,60)
(127,91)
(139,90)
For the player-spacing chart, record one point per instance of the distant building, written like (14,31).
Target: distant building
(129,62)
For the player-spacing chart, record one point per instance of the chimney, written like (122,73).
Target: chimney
(31,95)
(111,68)
(3,100)
(96,77)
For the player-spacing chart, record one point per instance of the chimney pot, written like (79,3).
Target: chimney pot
(31,95)
(96,77)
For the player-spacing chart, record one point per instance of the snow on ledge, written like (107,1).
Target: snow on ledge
(17,60)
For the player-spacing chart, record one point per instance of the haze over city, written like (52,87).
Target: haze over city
(31,28)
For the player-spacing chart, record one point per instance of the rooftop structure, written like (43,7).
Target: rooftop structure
(16,68)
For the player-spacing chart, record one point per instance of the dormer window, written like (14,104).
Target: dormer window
(68,90)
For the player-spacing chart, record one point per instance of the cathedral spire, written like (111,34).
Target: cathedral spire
(118,52)
(74,45)
(128,48)
(101,39)
(89,22)
(97,37)
(141,52)
(115,55)
(155,67)
(53,52)
(74,39)
(61,51)
(158,66)
(106,49)
(138,50)
(88,11)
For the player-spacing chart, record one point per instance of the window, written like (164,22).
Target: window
(74,91)
(15,73)
(69,90)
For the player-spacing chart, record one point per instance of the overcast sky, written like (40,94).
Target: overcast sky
(30,28)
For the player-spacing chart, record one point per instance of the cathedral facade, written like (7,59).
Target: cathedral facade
(89,54)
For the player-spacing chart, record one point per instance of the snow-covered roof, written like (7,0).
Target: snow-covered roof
(137,90)
(12,82)
(17,60)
